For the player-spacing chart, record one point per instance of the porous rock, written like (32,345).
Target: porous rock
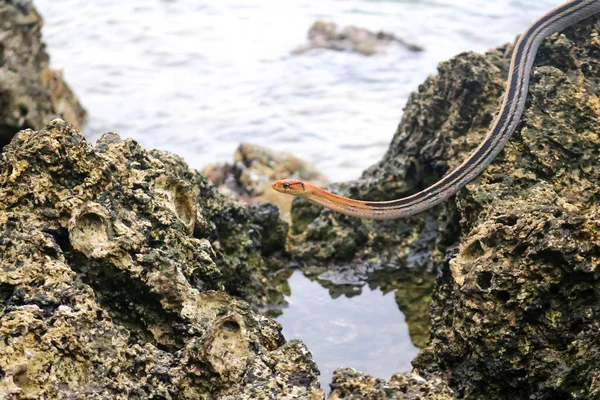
(349,384)
(111,285)
(31,94)
(515,312)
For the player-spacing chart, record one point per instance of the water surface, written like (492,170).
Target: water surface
(197,78)
(365,332)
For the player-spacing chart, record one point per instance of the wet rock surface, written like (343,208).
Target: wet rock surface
(112,277)
(326,35)
(31,94)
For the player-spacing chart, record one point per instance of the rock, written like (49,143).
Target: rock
(253,170)
(30,92)
(245,238)
(113,262)
(349,384)
(517,309)
(325,35)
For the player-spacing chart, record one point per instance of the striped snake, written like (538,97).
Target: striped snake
(502,128)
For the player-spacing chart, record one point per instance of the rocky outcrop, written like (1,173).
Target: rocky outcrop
(31,94)
(118,265)
(326,35)
(516,310)
(115,264)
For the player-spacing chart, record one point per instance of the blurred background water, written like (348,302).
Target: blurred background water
(198,77)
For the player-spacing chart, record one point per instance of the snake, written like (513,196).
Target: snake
(503,126)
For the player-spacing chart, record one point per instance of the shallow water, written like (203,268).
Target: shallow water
(365,332)
(198,78)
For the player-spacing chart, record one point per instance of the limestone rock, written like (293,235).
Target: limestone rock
(348,384)
(112,279)
(517,308)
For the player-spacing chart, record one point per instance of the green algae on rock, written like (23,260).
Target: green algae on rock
(110,282)
(31,93)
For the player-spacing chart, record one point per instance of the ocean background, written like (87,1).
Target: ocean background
(199,77)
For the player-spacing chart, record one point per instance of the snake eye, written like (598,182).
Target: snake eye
(286,185)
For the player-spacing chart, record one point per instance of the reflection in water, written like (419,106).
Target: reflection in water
(412,288)
(365,332)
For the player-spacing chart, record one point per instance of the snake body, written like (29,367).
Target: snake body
(501,130)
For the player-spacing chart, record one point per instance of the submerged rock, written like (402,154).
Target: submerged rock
(326,35)
(31,93)
(113,262)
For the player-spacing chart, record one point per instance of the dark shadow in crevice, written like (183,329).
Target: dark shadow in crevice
(6,292)
(129,303)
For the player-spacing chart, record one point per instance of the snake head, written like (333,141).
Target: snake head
(290,186)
